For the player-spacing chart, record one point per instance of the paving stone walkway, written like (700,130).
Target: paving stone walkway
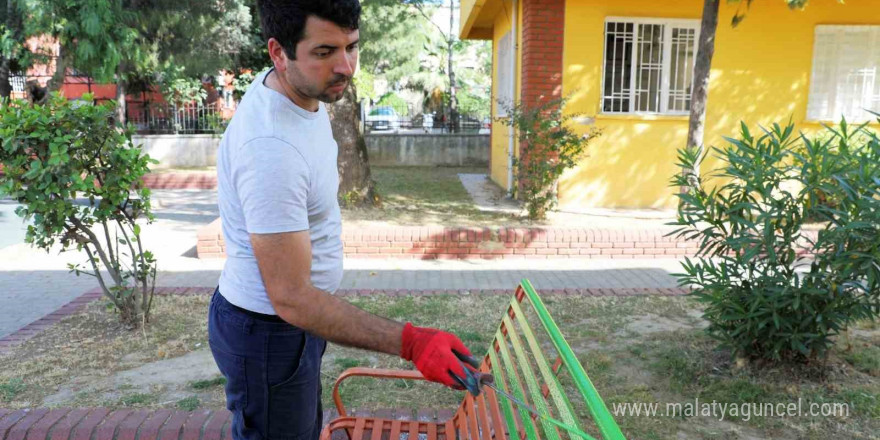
(163,424)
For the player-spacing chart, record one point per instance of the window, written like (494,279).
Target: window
(504,85)
(846,73)
(17,81)
(649,65)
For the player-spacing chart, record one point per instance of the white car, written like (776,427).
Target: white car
(383,118)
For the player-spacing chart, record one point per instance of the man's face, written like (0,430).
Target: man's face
(326,59)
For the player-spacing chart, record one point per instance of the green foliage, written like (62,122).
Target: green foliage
(346,363)
(751,239)
(136,399)
(473,105)
(209,383)
(364,84)
(190,403)
(241,83)
(212,123)
(392,37)
(845,168)
(75,173)
(183,90)
(140,39)
(394,101)
(11,388)
(549,147)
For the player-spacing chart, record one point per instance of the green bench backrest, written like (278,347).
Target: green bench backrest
(518,363)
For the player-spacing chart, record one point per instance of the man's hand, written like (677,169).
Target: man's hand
(435,353)
(285,265)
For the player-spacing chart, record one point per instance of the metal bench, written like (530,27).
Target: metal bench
(517,361)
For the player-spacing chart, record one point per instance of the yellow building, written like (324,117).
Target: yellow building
(629,64)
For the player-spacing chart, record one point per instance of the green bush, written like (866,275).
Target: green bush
(183,90)
(845,168)
(764,298)
(394,101)
(241,83)
(61,152)
(549,148)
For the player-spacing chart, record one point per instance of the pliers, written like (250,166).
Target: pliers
(473,380)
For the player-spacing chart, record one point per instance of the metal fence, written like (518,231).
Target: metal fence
(411,119)
(165,118)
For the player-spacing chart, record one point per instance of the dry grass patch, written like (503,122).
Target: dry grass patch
(635,350)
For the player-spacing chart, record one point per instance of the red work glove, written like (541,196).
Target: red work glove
(431,350)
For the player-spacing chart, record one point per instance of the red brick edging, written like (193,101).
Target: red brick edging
(427,243)
(146,424)
(34,328)
(180,181)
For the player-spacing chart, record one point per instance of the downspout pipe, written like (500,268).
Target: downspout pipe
(511,131)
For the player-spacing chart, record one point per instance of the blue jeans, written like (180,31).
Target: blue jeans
(272,370)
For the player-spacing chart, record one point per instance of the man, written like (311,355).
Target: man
(273,310)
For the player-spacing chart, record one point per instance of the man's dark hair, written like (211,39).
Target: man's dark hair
(285,20)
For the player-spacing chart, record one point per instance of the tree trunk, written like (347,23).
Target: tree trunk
(453,101)
(57,80)
(120,95)
(702,69)
(5,86)
(5,63)
(356,187)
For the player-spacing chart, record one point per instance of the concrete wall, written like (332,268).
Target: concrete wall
(180,151)
(428,149)
(200,150)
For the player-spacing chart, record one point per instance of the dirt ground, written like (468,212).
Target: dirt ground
(638,349)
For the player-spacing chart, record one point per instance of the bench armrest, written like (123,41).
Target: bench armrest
(370,372)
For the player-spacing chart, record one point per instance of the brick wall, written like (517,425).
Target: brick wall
(487,243)
(429,243)
(180,181)
(542,41)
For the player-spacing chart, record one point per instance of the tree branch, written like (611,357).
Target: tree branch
(109,243)
(94,239)
(101,279)
(418,7)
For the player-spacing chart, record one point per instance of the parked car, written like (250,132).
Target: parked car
(383,118)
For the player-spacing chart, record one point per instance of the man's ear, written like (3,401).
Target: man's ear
(278,55)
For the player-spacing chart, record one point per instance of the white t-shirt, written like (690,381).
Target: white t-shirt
(276,172)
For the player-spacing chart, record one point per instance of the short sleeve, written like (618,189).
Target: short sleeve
(271,178)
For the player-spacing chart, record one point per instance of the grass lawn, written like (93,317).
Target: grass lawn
(423,196)
(635,350)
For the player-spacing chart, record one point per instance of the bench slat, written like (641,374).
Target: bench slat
(480,403)
(530,378)
(432,431)
(563,405)
(359,429)
(395,430)
(515,383)
(449,430)
(506,406)
(607,426)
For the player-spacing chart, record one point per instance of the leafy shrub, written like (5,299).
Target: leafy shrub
(764,297)
(77,176)
(549,147)
(394,101)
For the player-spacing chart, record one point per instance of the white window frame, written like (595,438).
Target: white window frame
(504,85)
(669,23)
(832,110)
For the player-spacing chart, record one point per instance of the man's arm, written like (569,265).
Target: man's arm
(285,261)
